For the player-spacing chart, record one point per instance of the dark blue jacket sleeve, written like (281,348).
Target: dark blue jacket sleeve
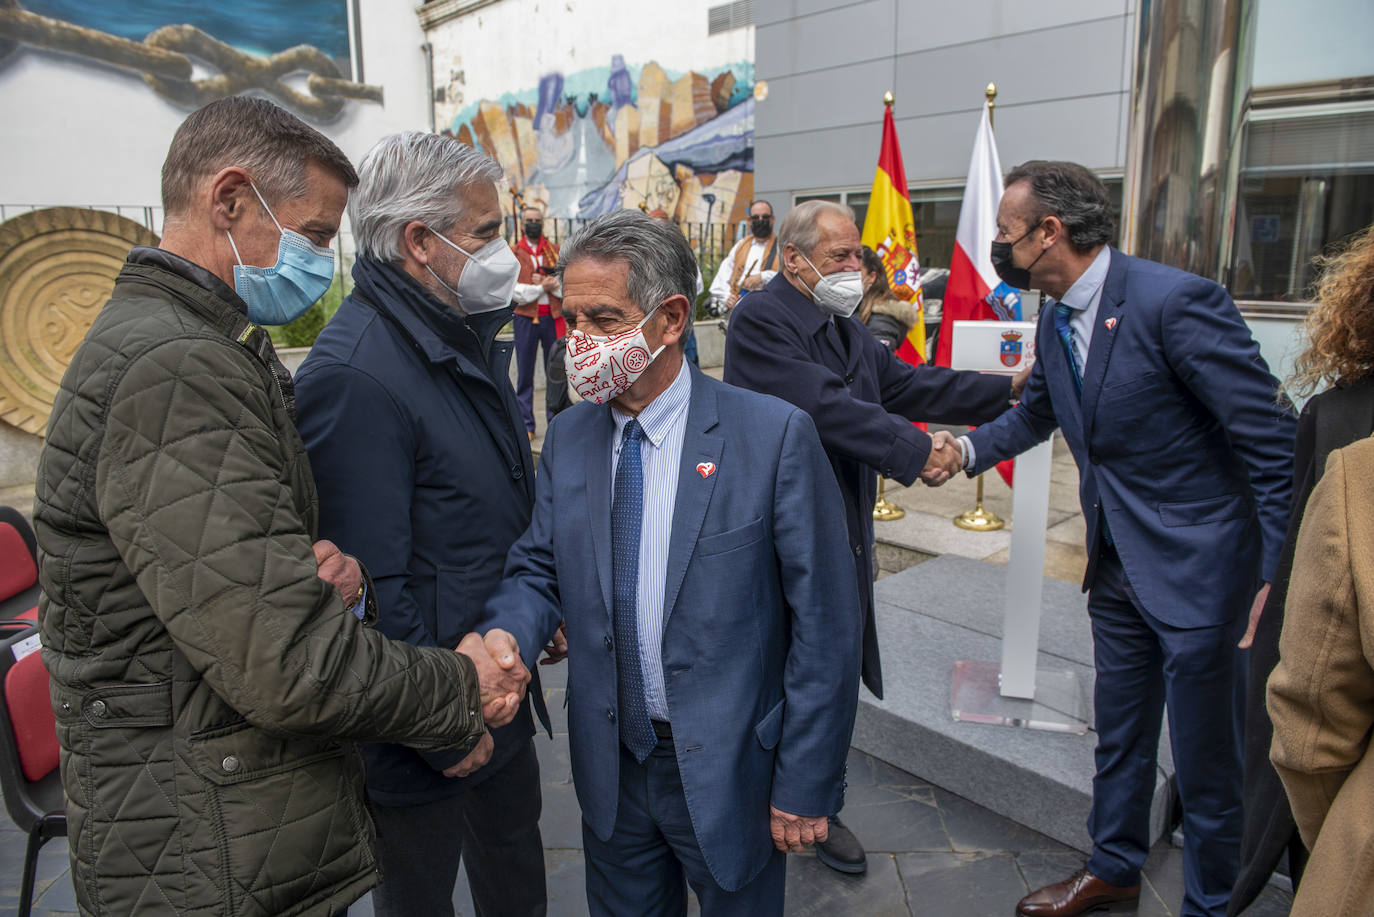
(1211,350)
(821,676)
(527,602)
(362,454)
(939,394)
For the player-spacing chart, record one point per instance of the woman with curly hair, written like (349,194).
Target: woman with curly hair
(1339,357)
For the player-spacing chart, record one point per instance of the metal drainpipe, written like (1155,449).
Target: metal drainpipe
(429,79)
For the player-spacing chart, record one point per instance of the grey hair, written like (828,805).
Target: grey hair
(801,226)
(1073,194)
(413,176)
(265,140)
(661,262)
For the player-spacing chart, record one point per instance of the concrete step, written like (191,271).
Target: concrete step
(949,608)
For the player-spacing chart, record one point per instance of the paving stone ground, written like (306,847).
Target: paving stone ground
(930,853)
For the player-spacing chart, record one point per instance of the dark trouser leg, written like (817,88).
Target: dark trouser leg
(635,871)
(503,853)
(526,342)
(548,334)
(1204,680)
(1129,704)
(419,847)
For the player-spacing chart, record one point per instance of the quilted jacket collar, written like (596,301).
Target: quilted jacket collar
(188,270)
(213,301)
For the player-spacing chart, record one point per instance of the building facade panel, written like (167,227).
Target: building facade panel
(833,38)
(924,26)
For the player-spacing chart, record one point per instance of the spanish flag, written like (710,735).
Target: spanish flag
(890,230)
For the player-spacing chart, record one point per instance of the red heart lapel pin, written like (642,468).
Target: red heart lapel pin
(706,469)
(1110,323)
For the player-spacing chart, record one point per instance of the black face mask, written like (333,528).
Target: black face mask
(761,226)
(534,230)
(1016,277)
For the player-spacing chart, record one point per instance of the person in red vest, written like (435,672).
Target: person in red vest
(537,308)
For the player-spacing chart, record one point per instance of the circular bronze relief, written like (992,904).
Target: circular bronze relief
(57,268)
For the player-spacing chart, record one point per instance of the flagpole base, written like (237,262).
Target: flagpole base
(979,520)
(884,511)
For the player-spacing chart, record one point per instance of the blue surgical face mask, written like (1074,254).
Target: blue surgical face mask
(280,294)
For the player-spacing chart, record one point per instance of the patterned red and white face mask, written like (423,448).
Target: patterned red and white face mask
(601,368)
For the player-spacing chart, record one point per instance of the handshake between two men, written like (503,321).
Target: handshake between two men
(501,674)
(502,678)
(946,459)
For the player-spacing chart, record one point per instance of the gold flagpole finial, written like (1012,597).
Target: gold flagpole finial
(888,99)
(991,93)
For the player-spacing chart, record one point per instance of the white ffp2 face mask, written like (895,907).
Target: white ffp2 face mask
(488,277)
(839,293)
(601,368)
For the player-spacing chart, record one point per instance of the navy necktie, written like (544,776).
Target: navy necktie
(1062,315)
(627,517)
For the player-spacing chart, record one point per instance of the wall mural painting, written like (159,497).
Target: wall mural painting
(298,53)
(612,137)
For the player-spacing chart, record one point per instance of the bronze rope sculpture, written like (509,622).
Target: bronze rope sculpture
(164,59)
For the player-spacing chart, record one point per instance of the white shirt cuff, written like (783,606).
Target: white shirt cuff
(526,293)
(966,451)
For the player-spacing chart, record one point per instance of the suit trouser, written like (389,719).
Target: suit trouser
(641,869)
(1142,665)
(528,337)
(492,827)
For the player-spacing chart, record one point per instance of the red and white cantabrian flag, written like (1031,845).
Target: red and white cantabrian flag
(974,291)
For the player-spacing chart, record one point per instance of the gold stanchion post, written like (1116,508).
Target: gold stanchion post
(883,511)
(979,519)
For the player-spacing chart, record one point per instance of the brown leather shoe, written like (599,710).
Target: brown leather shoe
(1078,894)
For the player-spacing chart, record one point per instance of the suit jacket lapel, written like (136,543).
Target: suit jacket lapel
(694,489)
(598,471)
(1104,335)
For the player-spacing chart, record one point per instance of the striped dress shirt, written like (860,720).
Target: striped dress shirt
(665,425)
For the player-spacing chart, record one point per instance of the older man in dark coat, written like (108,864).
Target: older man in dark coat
(796,339)
(425,473)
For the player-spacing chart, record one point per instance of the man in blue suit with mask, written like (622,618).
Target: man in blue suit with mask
(692,536)
(1184,455)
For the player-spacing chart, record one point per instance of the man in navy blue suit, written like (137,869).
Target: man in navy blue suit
(691,536)
(1183,451)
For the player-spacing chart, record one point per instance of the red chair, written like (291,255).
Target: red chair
(29,773)
(18,564)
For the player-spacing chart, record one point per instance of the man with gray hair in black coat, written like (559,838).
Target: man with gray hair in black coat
(424,471)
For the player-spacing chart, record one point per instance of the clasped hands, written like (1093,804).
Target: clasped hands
(501,679)
(946,459)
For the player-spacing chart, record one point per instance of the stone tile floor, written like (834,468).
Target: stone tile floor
(929,852)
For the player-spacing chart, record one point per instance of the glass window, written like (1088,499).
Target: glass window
(1307,183)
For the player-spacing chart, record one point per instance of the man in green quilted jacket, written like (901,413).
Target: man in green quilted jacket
(211,660)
